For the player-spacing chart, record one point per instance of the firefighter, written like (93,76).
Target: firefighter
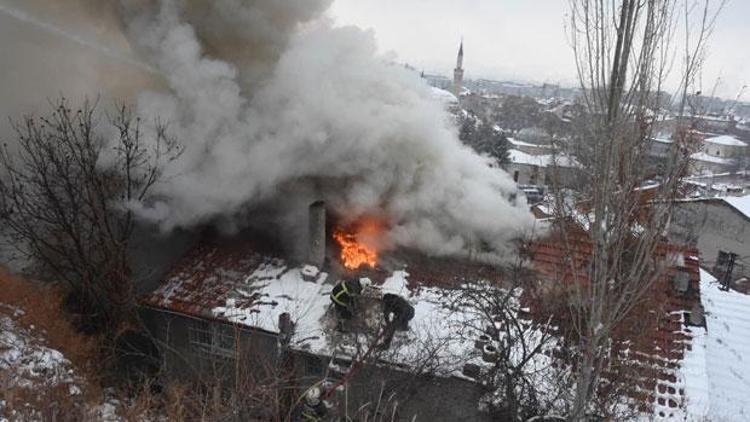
(312,408)
(343,295)
(397,312)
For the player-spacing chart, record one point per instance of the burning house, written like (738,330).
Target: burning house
(232,303)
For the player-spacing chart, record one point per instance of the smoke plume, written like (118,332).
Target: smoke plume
(275,105)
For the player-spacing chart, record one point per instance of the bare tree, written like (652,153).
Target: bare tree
(64,195)
(519,375)
(624,52)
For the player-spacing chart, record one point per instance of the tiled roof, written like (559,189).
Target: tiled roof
(202,278)
(651,360)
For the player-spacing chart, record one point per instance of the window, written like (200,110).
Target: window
(515,176)
(211,339)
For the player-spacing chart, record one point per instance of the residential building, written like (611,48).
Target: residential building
(724,146)
(715,225)
(226,303)
(539,169)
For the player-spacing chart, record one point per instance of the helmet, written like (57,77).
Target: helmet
(312,397)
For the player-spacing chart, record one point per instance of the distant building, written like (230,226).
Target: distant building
(714,225)
(709,123)
(718,154)
(458,72)
(725,146)
(539,169)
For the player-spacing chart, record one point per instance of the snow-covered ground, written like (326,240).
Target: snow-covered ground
(25,360)
(716,372)
(28,364)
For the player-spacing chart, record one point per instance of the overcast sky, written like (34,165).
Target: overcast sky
(520,39)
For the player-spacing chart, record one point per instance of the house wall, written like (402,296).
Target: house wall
(429,398)
(660,149)
(535,175)
(699,167)
(713,225)
(425,397)
(183,360)
(723,151)
(525,174)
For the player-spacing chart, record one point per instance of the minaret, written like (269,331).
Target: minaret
(458,72)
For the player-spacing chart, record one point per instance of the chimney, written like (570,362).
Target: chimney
(317,234)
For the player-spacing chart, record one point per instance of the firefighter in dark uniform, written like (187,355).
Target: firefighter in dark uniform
(343,295)
(397,313)
(312,408)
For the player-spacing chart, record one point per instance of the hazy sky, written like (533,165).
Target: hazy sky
(520,39)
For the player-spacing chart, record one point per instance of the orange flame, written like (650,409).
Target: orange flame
(356,247)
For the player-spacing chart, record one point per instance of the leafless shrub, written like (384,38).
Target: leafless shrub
(64,191)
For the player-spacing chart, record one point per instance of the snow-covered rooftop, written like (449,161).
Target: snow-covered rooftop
(254,290)
(726,140)
(741,203)
(716,371)
(662,140)
(518,143)
(544,160)
(444,96)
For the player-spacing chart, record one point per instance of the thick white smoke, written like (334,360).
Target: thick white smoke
(333,120)
(275,105)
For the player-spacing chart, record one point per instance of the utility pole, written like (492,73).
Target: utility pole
(726,280)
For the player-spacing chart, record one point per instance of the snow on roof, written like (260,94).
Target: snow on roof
(702,156)
(727,140)
(663,140)
(243,287)
(273,289)
(545,160)
(444,96)
(516,142)
(716,371)
(741,203)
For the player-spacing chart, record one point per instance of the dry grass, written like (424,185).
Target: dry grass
(43,313)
